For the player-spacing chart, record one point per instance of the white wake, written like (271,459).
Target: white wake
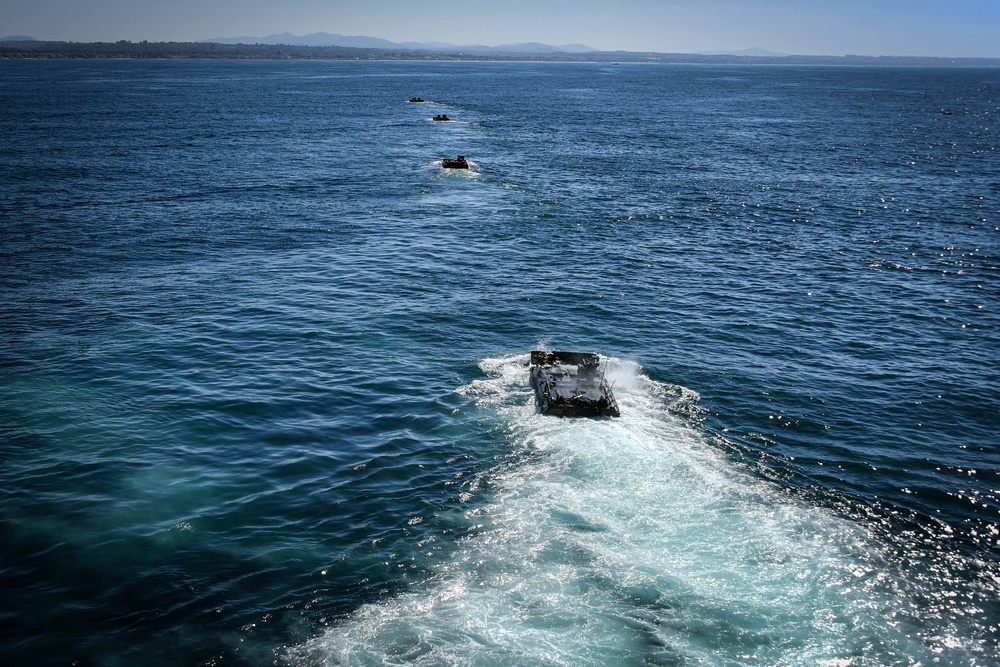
(634,541)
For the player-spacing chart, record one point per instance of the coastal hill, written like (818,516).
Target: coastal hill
(27,47)
(363,42)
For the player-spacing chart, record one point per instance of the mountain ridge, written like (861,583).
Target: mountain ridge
(365,42)
(30,47)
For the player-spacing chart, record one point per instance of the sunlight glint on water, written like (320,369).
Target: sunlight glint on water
(239,298)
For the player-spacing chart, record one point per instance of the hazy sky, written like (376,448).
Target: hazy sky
(823,27)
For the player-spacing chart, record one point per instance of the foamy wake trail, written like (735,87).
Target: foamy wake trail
(633,541)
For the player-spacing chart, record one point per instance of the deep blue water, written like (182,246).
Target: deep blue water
(263,364)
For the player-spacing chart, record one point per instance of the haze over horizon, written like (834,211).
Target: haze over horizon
(961,28)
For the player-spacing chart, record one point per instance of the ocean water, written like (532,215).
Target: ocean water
(263,364)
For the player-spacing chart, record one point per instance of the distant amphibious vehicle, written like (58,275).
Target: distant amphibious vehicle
(571,384)
(458,163)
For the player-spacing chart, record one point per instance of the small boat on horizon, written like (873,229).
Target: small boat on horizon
(441,117)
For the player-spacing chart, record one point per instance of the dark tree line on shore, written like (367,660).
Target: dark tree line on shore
(216,51)
(185,50)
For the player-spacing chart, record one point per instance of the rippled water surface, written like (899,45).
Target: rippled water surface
(263,364)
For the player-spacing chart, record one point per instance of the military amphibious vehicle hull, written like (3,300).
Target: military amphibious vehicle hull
(571,384)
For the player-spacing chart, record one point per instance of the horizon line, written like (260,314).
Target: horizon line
(403,46)
(443,47)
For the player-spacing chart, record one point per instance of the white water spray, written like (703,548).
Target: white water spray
(634,541)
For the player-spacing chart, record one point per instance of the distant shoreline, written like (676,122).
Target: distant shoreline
(217,51)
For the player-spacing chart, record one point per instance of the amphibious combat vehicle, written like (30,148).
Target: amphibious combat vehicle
(571,384)
(458,163)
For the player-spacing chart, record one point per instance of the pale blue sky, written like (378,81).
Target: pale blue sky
(962,28)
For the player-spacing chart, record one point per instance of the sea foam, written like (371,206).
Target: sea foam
(636,541)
